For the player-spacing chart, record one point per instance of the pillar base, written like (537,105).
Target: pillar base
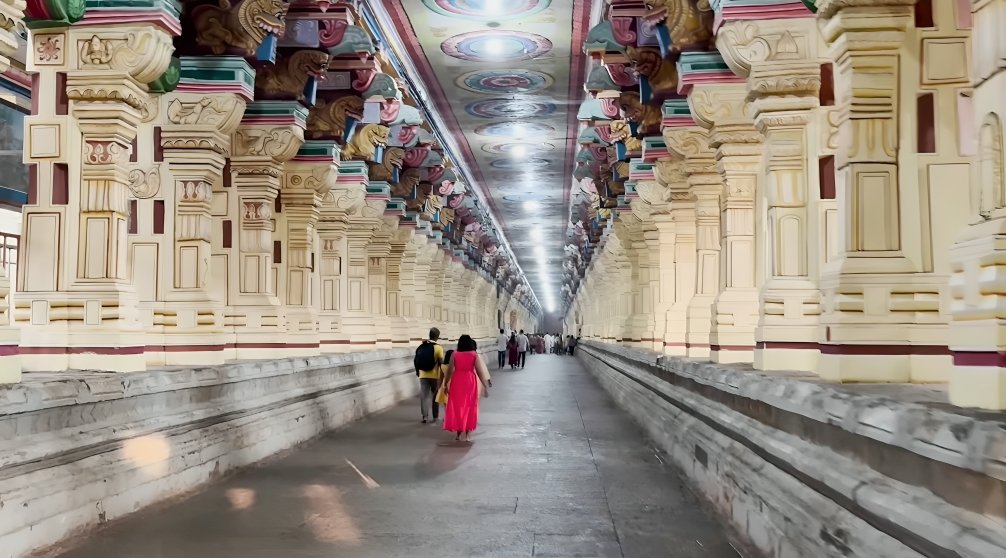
(837,366)
(978,386)
(735,317)
(188,349)
(772,355)
(10,358)
(700,323)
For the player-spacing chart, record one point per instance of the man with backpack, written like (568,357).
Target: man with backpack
(429,357)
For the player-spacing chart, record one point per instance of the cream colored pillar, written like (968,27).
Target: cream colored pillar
(379,252)
(401,284)
(347,198)
(977,332)
(784,95)
(360,321)
(678,254)
(721,108)
(881,306)
(706,185)
(183,317)
(76,301)
(10,361)
(270,134)
(309,177)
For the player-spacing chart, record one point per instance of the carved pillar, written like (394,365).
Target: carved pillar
(977,332)
(875,301)
(676,232)
(270,134)
(379,252)
(10,361)
(179,308)
(309,177)
(721,108)
(401,284)
(706,185)
(76,301)
(784,95)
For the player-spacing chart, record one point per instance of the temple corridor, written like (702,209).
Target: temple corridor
(556,470)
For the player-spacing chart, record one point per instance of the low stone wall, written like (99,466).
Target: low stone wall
(801,468)
(77,450)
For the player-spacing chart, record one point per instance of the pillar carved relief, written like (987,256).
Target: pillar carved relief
(77,303)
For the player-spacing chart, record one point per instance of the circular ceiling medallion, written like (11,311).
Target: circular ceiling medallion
(526,196)
(519,164)
(496,46)
(515,130)
(508,148)
(509,108)
(482,10)
(508,82)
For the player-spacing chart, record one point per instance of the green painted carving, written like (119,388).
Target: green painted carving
(54,13)
(169,79)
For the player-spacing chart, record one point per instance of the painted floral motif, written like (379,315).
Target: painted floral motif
(496,46)
(505,81)
(49,49)
(481,10)
(515,130)
(508,108)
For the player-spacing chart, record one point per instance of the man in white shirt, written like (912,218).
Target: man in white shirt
(548,343)
(522,343)
(501,340)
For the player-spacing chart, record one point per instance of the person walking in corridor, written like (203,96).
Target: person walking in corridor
(572,344)
(511,349)
(522,343)
(501,340)
(467,378)
(429,357)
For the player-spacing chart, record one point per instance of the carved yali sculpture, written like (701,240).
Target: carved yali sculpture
(620,131)
(661,73)
(241,27)
(385,170)
(289,76)
(365,142)
(647,116)
(327,119)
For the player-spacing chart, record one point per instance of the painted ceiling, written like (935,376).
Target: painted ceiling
(506,77)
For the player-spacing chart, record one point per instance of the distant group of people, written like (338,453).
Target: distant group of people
(458,378)
(512,349)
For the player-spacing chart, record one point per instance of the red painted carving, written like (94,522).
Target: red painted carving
(415,156)
(332,31)
(621,28)
(390,110)
(363,79)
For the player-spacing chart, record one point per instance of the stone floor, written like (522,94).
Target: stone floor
(555,470)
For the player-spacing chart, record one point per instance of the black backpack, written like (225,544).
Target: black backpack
(426,357)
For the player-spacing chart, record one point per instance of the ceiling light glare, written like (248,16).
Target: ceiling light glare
(495,47)
(530,205)
(493,7)
(536,234)
(539,251)
(518,152)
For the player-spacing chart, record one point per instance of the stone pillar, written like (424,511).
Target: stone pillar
(10,360)
(309,177)
(270,134)
(784,96)
(721,109)
(76,301)
(401,284)
(706,185)
(678,254)
(875,302)
(196,140)
(977,332)
(379,252)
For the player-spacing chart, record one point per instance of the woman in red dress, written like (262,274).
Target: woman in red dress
(467,376)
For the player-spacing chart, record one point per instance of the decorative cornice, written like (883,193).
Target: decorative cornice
(217,74)
(703,68)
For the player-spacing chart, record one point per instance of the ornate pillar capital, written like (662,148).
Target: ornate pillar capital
(195,121)
(746,43)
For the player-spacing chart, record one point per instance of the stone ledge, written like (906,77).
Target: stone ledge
(750,462)
(81,449)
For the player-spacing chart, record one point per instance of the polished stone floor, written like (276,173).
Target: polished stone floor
(555,470)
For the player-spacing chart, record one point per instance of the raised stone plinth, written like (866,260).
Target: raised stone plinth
(803,468)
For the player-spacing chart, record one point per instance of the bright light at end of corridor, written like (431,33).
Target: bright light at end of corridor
(530,205)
